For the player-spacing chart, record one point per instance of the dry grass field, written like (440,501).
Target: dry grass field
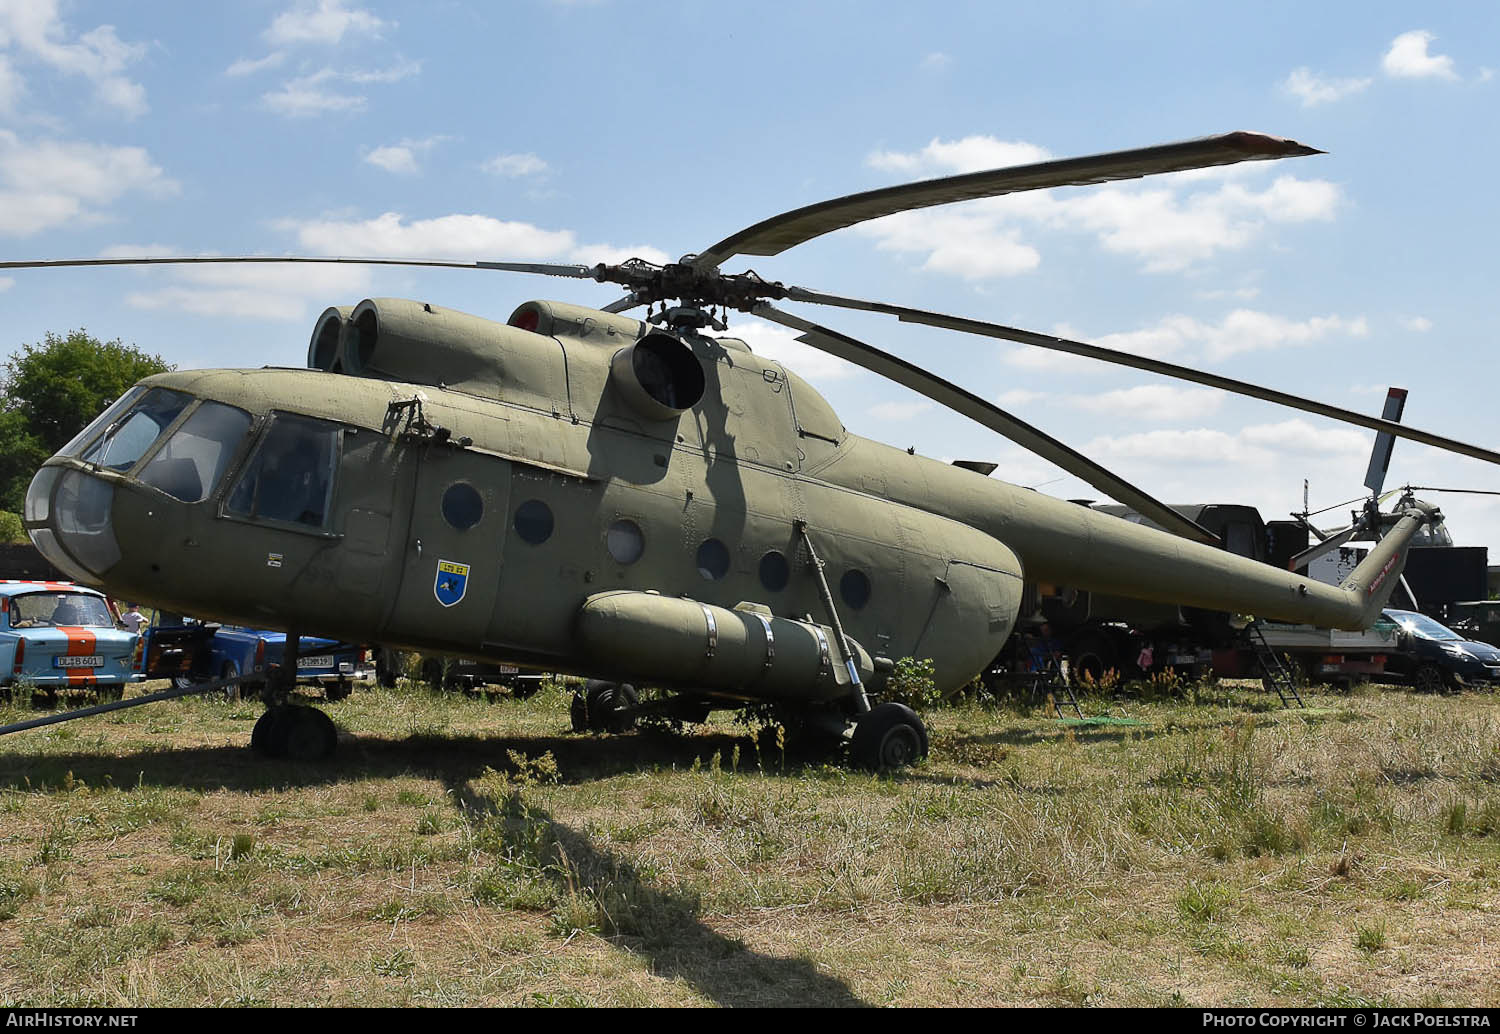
(469,853)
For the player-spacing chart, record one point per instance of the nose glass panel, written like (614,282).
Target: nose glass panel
(80,517)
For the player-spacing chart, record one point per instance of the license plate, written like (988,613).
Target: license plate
(317,660)
(508,669)
(92,660)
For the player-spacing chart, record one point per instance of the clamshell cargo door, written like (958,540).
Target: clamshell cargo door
(459,516)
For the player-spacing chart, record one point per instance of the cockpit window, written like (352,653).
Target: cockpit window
(188,466)
(127,438)
(50,609)
(290,476)
(104,419)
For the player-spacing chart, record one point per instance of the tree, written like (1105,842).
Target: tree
(51,391)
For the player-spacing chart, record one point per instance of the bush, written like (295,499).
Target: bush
(11,530)
(912,684)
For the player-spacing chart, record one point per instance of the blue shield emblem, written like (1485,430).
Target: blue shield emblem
(451,582)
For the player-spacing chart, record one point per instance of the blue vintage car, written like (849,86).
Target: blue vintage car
(57,635)
(334,665)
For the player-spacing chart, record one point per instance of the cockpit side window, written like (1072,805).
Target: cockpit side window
(290,475)
(128,438)
(189,465)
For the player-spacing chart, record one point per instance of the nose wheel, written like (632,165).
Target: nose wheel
(887,737)
(294,732)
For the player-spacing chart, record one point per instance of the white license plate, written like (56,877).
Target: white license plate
(92,660)
(508,669)
(317,660)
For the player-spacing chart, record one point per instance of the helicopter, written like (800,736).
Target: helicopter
(643,501)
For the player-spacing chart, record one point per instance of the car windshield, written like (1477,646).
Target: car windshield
(1423,627)
(51,609)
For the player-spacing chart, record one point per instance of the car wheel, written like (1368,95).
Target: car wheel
(1429,678)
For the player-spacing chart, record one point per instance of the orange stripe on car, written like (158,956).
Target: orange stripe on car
(81,643)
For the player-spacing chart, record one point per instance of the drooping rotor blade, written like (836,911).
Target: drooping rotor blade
(1110,355)
(545,268)
(975,408)
(1380,456)
(621,304)
(774,235)
(1328,545)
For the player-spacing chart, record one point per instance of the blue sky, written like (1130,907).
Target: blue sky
(580,131)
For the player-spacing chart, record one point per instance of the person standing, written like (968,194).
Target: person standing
(133,619)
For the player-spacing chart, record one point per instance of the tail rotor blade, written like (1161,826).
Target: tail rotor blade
(1380,455)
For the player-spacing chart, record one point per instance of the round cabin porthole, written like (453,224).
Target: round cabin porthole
(625,541)
(775,572)
(854,587)
(462,506)
(534,522)
(713,560)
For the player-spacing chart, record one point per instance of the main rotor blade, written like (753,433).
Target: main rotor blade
(975,408)
(545,268)
(1328,545)
(774,235)
(1110,355)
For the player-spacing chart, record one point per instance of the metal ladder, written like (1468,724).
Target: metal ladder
(1055,684)
(1274,672)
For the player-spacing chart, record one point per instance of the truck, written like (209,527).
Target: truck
(1096,633)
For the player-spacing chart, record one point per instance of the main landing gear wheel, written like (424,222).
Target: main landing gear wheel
(887,737)
(294,732)
(598,707)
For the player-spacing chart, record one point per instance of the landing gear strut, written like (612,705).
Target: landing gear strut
(289,730)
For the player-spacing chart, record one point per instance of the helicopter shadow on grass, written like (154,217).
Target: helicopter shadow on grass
(658,924)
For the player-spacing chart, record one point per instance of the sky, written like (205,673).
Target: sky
(596,130)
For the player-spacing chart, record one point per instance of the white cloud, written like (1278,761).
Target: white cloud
(1263,447)
(1157,403)
(589,254)
(1420,324)
(899,410)
(1178,221)
(1312,90)
(770,341)
(287,293)
(12,87)
(44,183)
(937,61)
(327,22)
(1242,294)
(305,97)
(456,237)
(401,158)
(1408,58)
(1018,397)
(249,66)
(396,158)
(1182,338)
(318,94)
(971,154)
(34,28)
(515,165)
(7,282)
